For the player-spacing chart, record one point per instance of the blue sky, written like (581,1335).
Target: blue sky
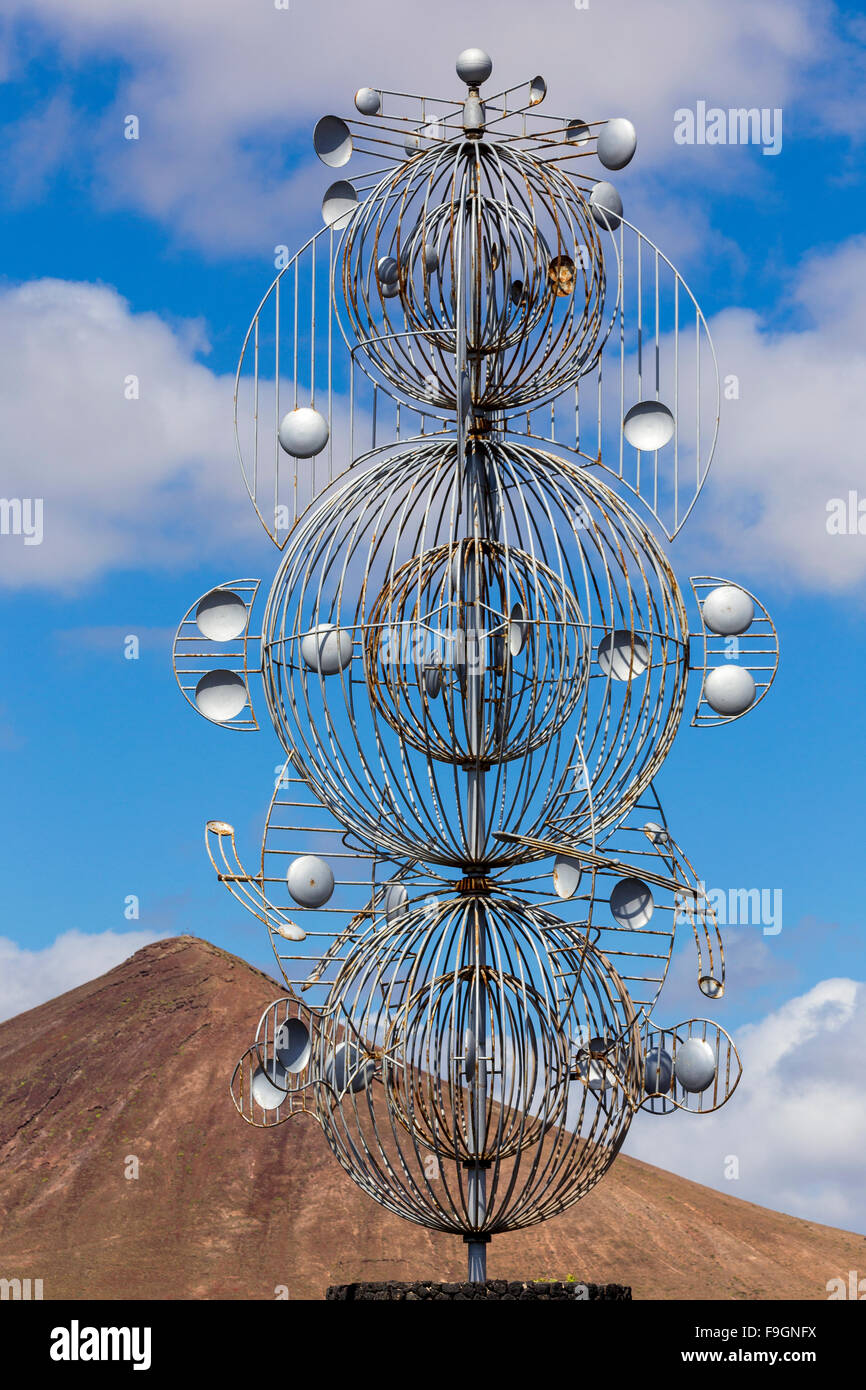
(150,256)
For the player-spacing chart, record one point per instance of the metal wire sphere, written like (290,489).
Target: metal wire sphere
(483,1034)
(573,727)
(479,591)
(469,223)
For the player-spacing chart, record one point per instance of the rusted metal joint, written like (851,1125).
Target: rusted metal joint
(475,887)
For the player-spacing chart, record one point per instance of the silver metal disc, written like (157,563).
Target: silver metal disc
(396,902)
(310,880)
(470,1055)
(730,689)
(616,144)
(339,204)
(517,630)
(293,1045)
(727,610)
(631,903)
(221,615)
(577,132)
(327,649)
(648,426)
(432,679)
(566,876)
(368,101)
(303,432)
(695,1065)
(332,141)
(264,1092)
(658,1071)
(605,204)
(221,695)
(622,655)
(347,1061)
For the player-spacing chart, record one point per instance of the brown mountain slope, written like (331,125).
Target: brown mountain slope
(137,1063)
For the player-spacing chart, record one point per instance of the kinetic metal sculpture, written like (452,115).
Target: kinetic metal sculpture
(475,656)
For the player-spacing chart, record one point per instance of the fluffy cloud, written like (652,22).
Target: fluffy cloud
(122,481)
(28,978)
(224,91)
(792,440)
(797,1123)
(154,481)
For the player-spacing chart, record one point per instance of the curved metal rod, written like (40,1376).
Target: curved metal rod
(760,639)
(190,645)
(665,1043)
(247,888)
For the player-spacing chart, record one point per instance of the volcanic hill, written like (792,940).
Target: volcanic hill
(135,1066)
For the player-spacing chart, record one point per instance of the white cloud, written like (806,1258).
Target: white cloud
(29,978)
(797,1122)
(154,481)
(222,91)
(124,482)
(792,441)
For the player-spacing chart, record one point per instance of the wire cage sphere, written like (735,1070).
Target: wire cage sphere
(463,607)
(482,1034)
(393,629)
(477,234)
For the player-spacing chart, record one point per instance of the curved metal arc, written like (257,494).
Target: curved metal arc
(695,905)
(247,589)
(297,1102)
(703,582)
(663,1102)
(542,848)
(247,888)
(701,323)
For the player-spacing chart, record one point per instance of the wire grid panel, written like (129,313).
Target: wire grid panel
(543,302)
(294,355)
(579,887)
(754,649)
(298,824)
(628,893)
(665,1091)
(213,671)
(659,350)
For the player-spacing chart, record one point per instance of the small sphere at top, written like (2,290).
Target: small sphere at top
(474,66)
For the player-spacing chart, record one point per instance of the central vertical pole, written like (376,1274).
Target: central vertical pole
(477,817)
(476,508)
